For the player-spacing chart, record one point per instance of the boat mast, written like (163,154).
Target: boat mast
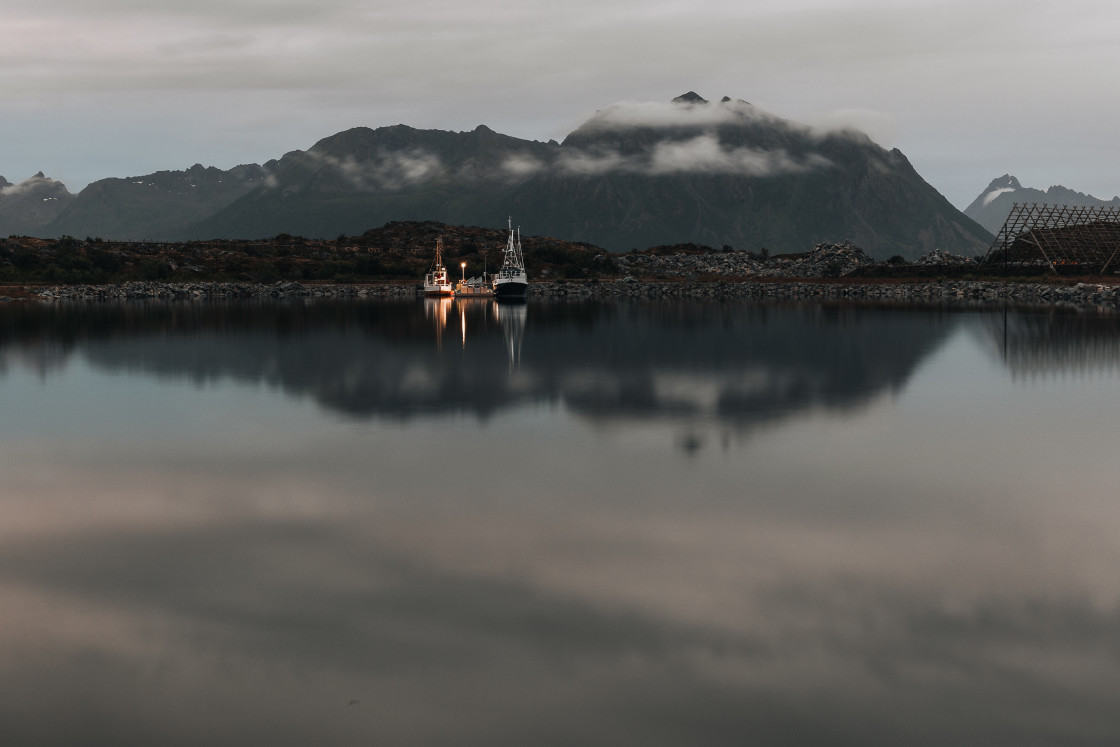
(513,248)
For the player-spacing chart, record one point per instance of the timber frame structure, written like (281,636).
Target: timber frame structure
(1065,238)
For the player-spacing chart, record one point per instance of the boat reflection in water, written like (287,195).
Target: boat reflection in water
(437,310)
(476,314)
(511,317)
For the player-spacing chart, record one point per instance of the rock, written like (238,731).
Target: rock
(690,261)
(939,257)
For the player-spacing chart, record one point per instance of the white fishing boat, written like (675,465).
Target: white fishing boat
(511,282)
(437,282)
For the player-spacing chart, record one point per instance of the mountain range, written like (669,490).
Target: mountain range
(634,175)
(991,208)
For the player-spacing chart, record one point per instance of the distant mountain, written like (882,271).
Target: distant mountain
(634,175)
(26,208)
(994,204)
(157,206)
(637,175)
(362,178)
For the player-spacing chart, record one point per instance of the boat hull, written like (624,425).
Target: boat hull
(511,290)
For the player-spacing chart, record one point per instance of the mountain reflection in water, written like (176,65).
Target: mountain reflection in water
(445,523)
(733,365)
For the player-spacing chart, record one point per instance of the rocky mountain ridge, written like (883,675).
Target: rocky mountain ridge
(992,206)
(633,175)
(31,205)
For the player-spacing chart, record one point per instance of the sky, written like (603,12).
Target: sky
(968,91)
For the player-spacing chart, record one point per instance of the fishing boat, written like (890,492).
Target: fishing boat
(511,282)
(437,282)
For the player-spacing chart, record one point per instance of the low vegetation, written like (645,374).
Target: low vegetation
(401,252)
(397,252)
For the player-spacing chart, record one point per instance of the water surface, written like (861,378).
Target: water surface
(433,523)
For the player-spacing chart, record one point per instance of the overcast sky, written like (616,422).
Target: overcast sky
(967,90)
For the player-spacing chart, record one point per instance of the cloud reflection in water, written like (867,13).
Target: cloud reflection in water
(799,591)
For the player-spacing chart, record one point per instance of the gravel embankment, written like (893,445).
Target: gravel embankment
(937,293)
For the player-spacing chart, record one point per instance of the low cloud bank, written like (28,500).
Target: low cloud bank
(523,165)
(31,184)
(691,144)
(628,114)
(703,154)
(707,115)
(388,169)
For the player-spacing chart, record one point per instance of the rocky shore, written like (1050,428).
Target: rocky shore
(1083,296)
(824,260)
(830,272)
(204,291)
(963,292)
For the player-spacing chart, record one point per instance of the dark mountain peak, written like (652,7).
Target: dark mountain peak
(900,157)
(690,98)
(39,183)
(482,128)
(991,208)
(1004,182)
(33,203)
(358,141)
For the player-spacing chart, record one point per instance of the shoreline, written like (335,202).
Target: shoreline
(1102,297)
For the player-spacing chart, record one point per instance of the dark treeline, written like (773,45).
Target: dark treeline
(397,252)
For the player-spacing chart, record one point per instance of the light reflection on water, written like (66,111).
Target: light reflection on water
(556,524)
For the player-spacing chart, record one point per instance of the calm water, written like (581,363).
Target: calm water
(433,524)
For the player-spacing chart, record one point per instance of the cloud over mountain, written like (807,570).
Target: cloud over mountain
(386,169)
(681,112)
(703,154)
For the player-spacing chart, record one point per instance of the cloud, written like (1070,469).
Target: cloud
(708,116)
(703,154)
(408,167)
(30,184)
(159,82)
(386,170)
(594,161)
(627,114)
(523,165)
(991,196)
(880,126)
